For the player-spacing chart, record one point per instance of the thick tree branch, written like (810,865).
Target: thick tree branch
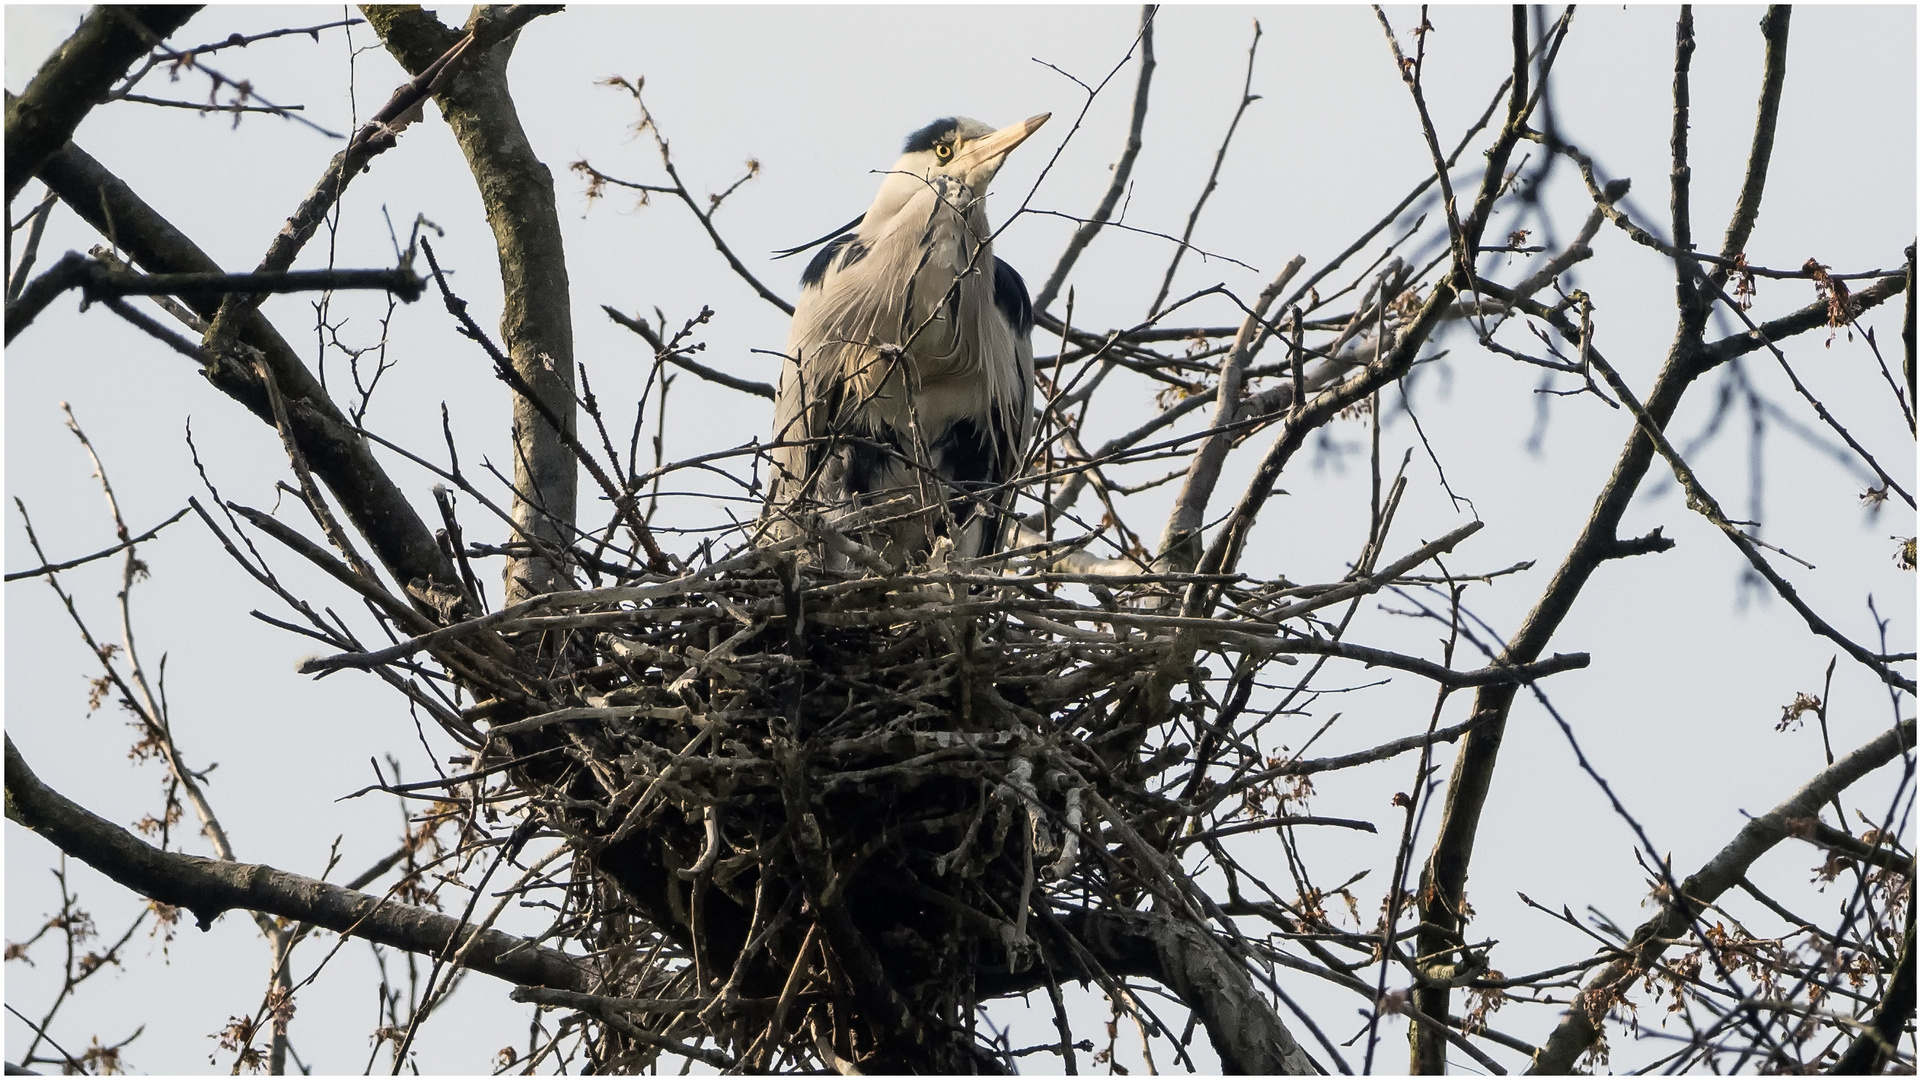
(1680,193)
(1579,1028)
(1494,180)
(1445,874)
(1716,353)
(1774,27)
(210,887)
(536,321)
(1246,1031)
(337,454)
(1907,326)
(1799,321)
(1598,543)
(77,77)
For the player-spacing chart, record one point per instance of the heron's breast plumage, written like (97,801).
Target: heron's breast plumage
(962,385)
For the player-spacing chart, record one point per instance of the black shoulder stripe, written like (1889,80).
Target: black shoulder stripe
(854,224)
(926,137)
(817,266)
(1010,295)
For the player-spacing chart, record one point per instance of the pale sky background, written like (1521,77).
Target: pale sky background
(1689,671)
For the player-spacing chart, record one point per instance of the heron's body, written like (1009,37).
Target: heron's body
(910,371)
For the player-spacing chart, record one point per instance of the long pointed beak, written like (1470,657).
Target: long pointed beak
(987,153)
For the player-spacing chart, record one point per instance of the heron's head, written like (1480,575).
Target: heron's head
(963,149)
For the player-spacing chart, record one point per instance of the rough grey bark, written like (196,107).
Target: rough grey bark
(1774,28)
(1246,1031)
(77,77)
(536,322)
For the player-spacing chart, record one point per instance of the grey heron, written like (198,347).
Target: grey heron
(906,396)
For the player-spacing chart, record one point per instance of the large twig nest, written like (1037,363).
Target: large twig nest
(765,757)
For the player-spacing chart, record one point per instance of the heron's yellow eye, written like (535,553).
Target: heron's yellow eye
(943,153)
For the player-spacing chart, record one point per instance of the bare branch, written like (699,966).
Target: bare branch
(1123,168)
(679,359)
(679,190)
(536,321)
(1701,502)
(1774,28)
(1579,1028)
(97,281)
(77,77)
(54,568)
(1248,97)
(370,499)
(1180,544)
(209,887)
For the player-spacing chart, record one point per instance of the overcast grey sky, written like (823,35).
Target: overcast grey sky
(1690,669)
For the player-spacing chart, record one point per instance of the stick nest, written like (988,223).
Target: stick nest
(825,791)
